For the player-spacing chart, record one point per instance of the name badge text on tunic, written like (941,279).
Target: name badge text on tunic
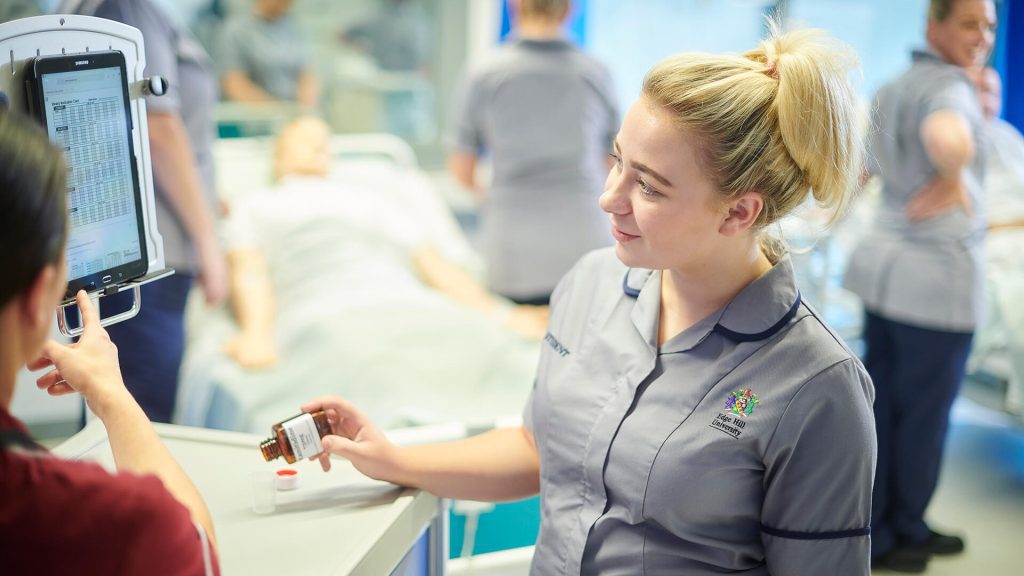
(556,345)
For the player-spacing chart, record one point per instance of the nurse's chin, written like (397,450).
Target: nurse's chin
(627,254)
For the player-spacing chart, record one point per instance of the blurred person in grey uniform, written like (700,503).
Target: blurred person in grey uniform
(546,114)
(691,414)
(399,37)
(919,270)
(17,9)
(263,56)
(181,135)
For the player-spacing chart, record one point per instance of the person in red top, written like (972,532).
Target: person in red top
(58,516)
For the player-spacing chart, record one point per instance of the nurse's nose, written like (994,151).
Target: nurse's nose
(615,198)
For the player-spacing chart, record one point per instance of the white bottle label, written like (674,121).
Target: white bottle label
(303,436)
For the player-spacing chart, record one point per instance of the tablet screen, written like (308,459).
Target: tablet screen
(83,101)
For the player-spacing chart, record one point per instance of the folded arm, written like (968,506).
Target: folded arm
(238,87)
(949,144)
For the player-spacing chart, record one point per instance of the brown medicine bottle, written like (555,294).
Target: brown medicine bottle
(297,438)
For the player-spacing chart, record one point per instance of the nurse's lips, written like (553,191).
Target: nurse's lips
(622,236)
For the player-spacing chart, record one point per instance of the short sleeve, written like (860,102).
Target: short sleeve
(818,478)
(159,531)
(160,42)
(952,94)
(560,298)
(467,124)
(75,517)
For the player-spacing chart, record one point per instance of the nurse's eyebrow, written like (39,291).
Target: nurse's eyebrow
(644,168)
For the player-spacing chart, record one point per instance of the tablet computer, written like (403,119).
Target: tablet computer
(82,99)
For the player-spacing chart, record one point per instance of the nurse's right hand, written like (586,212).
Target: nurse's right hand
(89,366)
(938,196)
(356,438)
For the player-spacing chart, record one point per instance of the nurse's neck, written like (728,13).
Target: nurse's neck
(689,296)
(10,354)
(535,28)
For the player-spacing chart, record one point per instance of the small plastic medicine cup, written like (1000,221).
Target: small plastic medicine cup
(262,490)
(288,478)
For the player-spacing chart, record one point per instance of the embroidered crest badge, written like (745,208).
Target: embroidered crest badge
(742,402)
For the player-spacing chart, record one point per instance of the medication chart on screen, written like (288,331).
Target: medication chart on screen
(86,118)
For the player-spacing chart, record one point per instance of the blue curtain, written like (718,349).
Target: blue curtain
(1011,41)
(575,27)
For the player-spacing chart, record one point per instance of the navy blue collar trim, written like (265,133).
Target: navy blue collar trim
(741,337)
(628,290)
(856,532)
(925,54)
(634,293)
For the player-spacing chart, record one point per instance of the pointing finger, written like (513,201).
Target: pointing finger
(89,315)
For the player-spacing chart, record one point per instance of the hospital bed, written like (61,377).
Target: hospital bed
(997,356)
(405,355)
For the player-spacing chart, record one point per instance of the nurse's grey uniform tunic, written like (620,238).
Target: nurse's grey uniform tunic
(546,113)
(926,273)
(744,445)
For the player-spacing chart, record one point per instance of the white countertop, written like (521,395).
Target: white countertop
(339,522)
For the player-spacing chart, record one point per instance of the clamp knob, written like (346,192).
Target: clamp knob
(156,86)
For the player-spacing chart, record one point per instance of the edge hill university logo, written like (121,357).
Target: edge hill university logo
(738,406)
(742,402)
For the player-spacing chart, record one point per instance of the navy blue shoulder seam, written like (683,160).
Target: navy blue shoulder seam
(793,535)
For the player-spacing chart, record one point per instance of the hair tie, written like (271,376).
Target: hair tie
(771,71)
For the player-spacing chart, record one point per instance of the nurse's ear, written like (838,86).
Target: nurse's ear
(37,299)
(741,213)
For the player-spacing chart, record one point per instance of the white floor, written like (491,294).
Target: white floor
(981,493)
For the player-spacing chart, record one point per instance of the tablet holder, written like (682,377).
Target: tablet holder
(28,38)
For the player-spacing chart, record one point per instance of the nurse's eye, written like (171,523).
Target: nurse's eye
(646,189)
(617,159)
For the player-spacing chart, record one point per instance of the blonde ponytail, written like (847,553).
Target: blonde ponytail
(780,120)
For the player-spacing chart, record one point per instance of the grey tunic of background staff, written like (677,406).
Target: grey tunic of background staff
(643,467)
(272,54)
(546,113)
(928,273)
(185,66)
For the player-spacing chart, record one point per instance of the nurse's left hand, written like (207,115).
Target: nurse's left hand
(938,196)
(355,438)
